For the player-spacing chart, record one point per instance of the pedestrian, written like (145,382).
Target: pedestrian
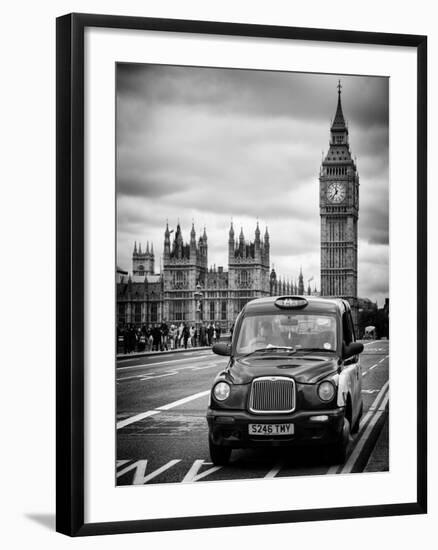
(123,339)
(195,337)
(164,335)
(180,334)
(156,336)
(150,338)
(172,332)
(192,334)
(218,332)
(210,332)
(132,339)
(139,340)
(185,335)
(202,335)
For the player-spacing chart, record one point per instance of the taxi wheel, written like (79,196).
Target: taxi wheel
(219,454)
(338,451)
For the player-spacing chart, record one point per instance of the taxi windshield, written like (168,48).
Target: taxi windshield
(290,331)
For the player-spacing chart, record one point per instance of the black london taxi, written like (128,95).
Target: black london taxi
(293,378)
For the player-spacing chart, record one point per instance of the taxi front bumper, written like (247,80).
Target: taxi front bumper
(231,428)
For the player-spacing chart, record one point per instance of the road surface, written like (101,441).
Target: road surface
(162,433)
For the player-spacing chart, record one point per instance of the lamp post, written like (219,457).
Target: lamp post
(198,295)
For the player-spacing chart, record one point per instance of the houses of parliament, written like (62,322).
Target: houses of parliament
(144,297)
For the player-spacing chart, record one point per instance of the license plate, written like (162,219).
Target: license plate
(270,429)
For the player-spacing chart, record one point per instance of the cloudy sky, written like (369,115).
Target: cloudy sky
(213,144)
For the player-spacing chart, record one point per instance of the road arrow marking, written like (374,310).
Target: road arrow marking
(192,474)
(140,469)
(272,473)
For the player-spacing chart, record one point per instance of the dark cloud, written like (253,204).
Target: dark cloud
(207,144)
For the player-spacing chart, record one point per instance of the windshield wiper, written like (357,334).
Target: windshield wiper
(290,349)
(316,349)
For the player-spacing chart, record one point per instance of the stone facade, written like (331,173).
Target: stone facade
(147,298)
(339,210)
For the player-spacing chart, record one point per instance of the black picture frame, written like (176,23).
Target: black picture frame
(70,272)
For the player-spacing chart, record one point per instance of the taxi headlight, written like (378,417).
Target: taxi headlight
(326,391)
(221,391)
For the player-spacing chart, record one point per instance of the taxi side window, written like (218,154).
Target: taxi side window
(350,320)
(347,329)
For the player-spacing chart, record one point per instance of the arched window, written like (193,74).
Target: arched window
(243,277)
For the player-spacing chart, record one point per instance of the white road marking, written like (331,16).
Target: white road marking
(371,368)
(153,376)
(361,443)
(370,412)
(192,474)
(135,418)
(121,463)
(274,471)
(182,401)
(207,366)
(383,359)
(140,469)
(131,377)
(370,391)
(165,362)
(157,410)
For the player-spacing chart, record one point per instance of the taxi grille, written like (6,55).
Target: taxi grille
(272,394)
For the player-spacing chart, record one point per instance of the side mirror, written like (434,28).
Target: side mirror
(222,349)
(353,349)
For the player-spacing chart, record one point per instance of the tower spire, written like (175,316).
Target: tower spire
(339,121)
(231,233)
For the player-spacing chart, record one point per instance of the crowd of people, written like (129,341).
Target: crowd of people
(161,336)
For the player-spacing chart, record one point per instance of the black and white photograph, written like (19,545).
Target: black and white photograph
(252,277)
(219,299)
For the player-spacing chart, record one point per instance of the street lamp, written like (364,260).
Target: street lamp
(198,295)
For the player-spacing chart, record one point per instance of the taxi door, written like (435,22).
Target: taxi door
(351,376)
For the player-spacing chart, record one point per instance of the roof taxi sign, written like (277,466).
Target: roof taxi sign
(291,302)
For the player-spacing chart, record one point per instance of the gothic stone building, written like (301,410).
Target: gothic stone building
(146,298)
(339,210)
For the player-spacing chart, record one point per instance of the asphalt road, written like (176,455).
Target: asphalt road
(162,433)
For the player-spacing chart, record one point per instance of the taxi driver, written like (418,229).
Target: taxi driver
(265,336)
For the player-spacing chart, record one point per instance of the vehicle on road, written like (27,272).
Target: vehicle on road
(370,333)
(293,378)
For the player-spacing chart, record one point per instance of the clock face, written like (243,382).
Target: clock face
(336,192)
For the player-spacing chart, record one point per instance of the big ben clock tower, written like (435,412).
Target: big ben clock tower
(339,210)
